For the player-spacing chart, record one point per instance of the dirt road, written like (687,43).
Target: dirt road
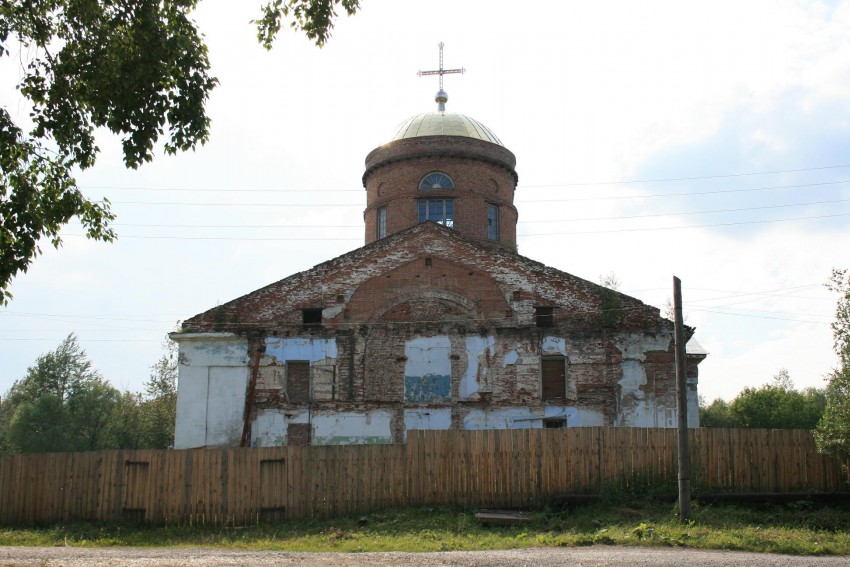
(578,557)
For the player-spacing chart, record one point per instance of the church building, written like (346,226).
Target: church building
(435,323)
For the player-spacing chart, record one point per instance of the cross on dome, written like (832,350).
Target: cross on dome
(441,98)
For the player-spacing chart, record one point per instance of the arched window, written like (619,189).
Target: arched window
(436,180)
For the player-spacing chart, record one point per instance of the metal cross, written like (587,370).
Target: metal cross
(441,71)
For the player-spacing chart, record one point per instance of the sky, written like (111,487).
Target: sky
(707,140)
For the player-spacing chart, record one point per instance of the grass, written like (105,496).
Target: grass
(798,528)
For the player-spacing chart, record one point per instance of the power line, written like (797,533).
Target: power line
(686,193)
(683,227)
(572,199)
(761,317)
(692,178)
(564,184)
(712,211)
(574,219)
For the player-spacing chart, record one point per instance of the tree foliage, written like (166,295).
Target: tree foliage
(312,17)
(136,67)
(158,407)
(63,404)
(773,406)
(717,414)
(833,432)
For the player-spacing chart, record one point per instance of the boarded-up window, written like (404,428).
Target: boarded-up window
(298,381)
(554,373)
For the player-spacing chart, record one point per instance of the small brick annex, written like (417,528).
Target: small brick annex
(426,326)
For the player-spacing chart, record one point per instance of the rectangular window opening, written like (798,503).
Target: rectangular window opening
(544,317)
(312,316)
(555,423)
(381,225)
(553,373)
(298,381)
(438,210)
(492,221)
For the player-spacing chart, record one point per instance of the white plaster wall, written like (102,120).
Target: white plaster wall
(502,418)
(349,428)
(633,378)
(554,346)
(693,406)
(636,410)
(428,355)
(427,418)
(477,347)
(190,428)
(301,348)
(635,345)
(568,413)
(212,349)
(269,429)
(211,384)
(588,418)
(226,405)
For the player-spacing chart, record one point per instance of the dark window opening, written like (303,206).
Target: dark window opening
(555,423)
(544,317)
(428,262)
(312,316)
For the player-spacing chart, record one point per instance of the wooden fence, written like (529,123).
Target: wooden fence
(512,468)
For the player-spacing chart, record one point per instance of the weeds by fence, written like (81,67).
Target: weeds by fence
(504,468)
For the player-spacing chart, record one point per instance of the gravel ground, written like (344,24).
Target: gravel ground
(576,557)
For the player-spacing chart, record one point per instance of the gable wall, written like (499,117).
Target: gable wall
(450,345)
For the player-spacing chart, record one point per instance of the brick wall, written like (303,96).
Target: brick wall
(483,174)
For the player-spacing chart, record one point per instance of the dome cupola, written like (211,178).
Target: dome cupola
(446,168)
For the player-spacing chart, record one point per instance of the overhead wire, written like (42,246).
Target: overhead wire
(521,186)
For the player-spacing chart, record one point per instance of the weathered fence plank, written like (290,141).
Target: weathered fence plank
(493,468)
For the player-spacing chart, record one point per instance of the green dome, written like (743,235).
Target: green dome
(445,124)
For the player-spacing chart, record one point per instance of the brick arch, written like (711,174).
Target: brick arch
(467,292)
(469,308)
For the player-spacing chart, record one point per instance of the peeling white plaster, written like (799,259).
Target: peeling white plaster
(510,358)
(693,407)
(476,348)
(350,428)
(427,418)
(331,312)
(553,346)
(269,429)
(428,355)
(211,349)
(588,418)
(568,413)
(633,378)
(635,346)
(300,348)
(502,418)
(636,408)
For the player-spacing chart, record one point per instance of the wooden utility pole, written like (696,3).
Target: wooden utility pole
(682,399)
